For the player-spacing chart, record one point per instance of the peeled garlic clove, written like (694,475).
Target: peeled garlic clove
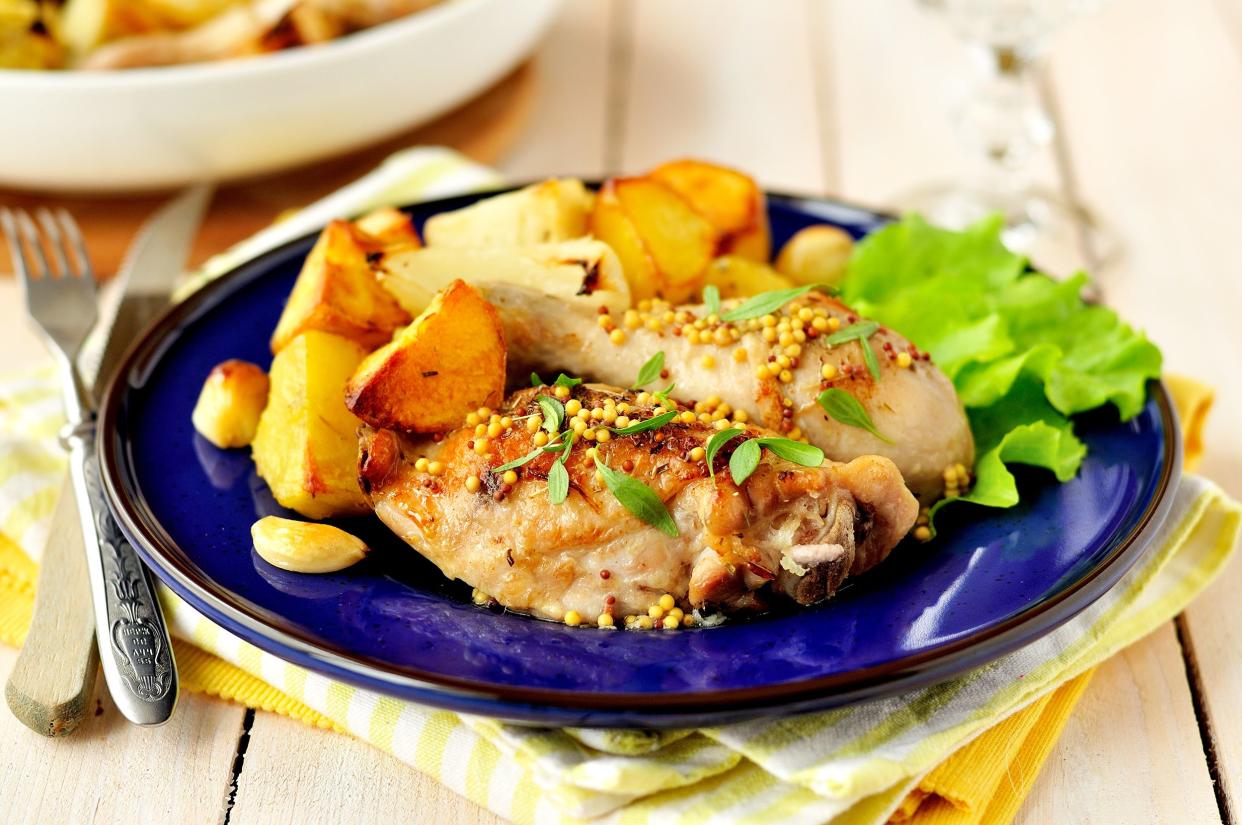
(305,546)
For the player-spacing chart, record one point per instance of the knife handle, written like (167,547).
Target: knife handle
(134,647)
(53,680)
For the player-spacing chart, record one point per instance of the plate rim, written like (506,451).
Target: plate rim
(159,551)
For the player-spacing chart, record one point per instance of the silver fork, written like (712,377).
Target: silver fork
(134,646)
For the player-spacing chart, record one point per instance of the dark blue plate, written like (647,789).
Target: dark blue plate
(993,580)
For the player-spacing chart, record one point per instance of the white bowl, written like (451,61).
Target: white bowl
(153,128)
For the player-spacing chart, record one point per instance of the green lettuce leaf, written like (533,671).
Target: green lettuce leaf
(1024,351)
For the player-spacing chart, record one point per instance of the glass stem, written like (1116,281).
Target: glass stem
(1004,122)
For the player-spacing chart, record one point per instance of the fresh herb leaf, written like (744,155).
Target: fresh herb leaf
(567,447)
(854,332)
(717,441)
(638,498)
(553,413)
(558,483)
(766,302)
(650,371)
(873,363)
(564,380)
(529,457)
(663,394)
(795,451)
(535,380)
(650,424)
(845,408)
(859,332)
(711,297)
(744,460)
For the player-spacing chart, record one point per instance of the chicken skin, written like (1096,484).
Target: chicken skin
(787,531)
(913,404)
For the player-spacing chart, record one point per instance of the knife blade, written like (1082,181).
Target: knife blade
(150,268)
(50,686)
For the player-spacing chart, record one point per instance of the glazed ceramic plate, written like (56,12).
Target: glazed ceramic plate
(992,581)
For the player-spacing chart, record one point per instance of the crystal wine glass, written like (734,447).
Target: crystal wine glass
(1005,122)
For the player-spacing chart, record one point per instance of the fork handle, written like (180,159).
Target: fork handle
(134,647)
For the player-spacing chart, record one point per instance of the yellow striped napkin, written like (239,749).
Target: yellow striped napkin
(862,764)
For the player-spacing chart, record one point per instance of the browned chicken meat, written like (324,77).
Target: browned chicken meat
(788,529)
(771,367)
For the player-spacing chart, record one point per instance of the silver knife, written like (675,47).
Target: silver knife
(136,654)
(50,695)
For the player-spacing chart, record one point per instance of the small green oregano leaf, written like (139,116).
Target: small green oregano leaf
(638,498)
(714,444)
(650,371)
(765,302)
(845,408)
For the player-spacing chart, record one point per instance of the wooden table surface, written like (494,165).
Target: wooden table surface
(849,98)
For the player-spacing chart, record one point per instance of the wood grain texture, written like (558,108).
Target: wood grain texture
(1129,753)
(53,681)
(566,132)
(294,774)
(113,772)
(726,81)
(1162,164)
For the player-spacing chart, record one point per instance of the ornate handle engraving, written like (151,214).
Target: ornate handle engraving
(133,640)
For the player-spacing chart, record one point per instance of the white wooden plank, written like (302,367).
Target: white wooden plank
(894,76)
(112,771)
(725,81)
(565,133)
(892,89)
(1137,705)
(1162,162)
(296,774)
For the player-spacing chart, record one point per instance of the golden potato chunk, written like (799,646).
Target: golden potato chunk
(583,270)
(554,210)
(817,254)
(738,277)
(389,227)
(448,362)
(306,446)
(730,200)
(336,292)
(665,246)
(230,403)
(305,546)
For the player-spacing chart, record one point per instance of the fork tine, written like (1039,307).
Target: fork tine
(79,243)
(57,241)
(31,235)
(16,252)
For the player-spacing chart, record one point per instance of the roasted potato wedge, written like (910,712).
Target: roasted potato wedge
(448,362)
(817,254)
(336,292)
(738,277)
(730,200)
(230,403)
(306,447)
(665,246)
(388,227)
(580,270)
(554,210)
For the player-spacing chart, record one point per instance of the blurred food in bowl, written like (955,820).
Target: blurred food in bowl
(152,127)
(119,34)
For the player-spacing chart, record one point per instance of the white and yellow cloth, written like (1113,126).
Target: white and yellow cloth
(964,751)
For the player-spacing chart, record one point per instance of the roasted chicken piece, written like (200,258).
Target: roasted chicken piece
(913,404)
(787,529)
